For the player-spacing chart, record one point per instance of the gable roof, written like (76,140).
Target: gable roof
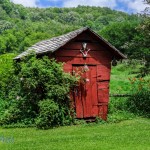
(55,43)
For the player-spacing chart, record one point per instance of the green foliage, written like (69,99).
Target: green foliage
(117,104)
(125,108)
(21,27)
(52,114)
(131,37)
(119,83)
(6,69)
(49,114)
(145,70)
(79,122)
(5,25)
(139,102)
(118,34)
(31,81)
(119,116)
(7,6)
(143,45)
(118,110)
(99,121)
(2,45)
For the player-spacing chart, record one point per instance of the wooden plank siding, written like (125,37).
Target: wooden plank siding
(100,57)
(94,93)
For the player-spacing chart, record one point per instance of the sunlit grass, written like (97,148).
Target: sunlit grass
(126,135)
(120,74)
(132,134)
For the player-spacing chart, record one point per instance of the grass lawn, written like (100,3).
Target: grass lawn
(126,135)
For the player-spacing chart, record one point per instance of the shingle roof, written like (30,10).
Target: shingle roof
(55,43)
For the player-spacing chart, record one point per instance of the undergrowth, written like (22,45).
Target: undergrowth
(124,81)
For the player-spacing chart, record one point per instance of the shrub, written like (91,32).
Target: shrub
(118,110)
(120,115)
(117,104)
(52,114)
(139,102)
(6,68)
(10,115)
(31,82)
(49,114)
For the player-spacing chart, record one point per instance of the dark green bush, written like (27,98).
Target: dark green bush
(117,104)
(49,114)
(118,110)
(32,81)
(10,115)
(139,101)
(52,114)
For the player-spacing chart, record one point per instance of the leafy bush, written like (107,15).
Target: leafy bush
(139,102)
(118,110)
(120,115)
(6,68)
(49,114)
(117,104)
(32,81)
(52,114)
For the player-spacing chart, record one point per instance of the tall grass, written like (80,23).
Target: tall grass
(120,74)
(120,84)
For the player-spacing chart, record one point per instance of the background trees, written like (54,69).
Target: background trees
(118,34)
(21,27)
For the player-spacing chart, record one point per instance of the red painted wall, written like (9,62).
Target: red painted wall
(98,56)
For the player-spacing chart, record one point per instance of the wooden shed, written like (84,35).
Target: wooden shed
(84,51)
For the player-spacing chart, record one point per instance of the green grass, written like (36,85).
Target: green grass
(132,134)
(120,84)
(120,74)
(126,135)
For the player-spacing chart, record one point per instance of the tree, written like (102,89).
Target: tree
(120,33)
(145,30)
(7,5)
(142,42)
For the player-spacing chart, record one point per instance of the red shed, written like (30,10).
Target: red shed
(84,51)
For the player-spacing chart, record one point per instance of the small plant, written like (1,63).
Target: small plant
(80,122)
(99,120)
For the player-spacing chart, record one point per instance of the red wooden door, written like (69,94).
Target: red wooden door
(85,95)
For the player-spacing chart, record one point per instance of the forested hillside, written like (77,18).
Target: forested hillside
(21,27)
